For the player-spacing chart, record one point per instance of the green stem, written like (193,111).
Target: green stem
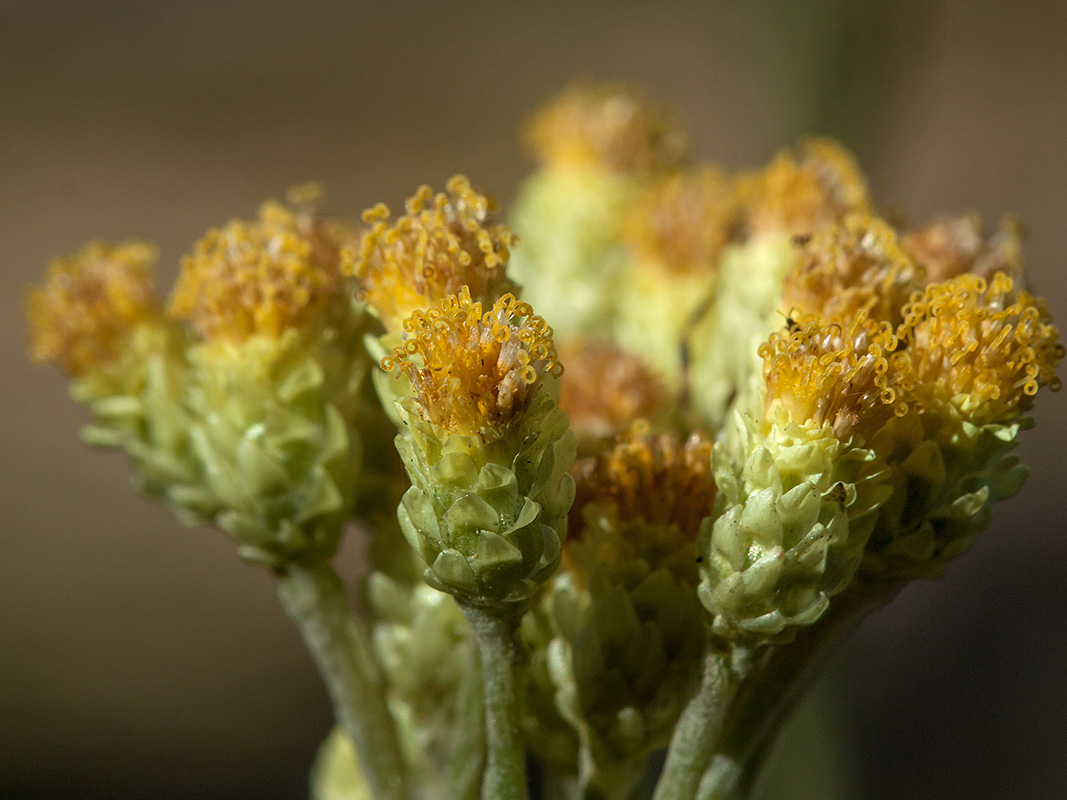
(505,773)
(697,733)
(314,598)
(773,686)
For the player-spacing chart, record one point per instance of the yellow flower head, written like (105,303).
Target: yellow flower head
(851,267)
(684,220)
(473,372)
(952,246)
(845,375)
(259,278)
(655,479)
(611,127)
(795,195)
(981,344)
(443,243)
(90,302)
(605,389)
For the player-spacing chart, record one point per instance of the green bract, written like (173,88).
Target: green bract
(486,517)
(788,530)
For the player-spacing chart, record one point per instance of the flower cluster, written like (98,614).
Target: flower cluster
(776,410)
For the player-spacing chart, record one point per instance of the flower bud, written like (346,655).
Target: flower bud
(275,386)
(628,628)
(598,146)
(798,505)
(486,448)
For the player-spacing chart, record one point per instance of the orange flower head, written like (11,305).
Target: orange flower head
(796,194)
(982,343)
(845,375)
(473,372)
(952,246)
(443,243)
(684,220)
(851,267)
(259,278)
(90,302)
(611,127)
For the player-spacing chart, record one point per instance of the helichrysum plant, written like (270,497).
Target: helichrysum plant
(622,487)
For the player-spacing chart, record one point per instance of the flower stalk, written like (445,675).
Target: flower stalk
(314,598)
(505,769)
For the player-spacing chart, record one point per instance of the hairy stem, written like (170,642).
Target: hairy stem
(505,773)
(697,734)
(772,687)
(314,598)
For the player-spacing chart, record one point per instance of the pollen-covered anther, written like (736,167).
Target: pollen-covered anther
(473,372)
(605,388)
(951,246)
(609,126)
(982,343)
(655,479)
(684,220)
(441,243)
(847,376)
(258,278)
(90,303)
(851,267)
(796,194)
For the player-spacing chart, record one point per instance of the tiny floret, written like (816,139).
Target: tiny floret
(90,302)
(982,344)
(610,127)
(473,372)
(847,376)
(442,243)
(258,278)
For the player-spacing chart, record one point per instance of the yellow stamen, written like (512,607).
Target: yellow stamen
(851,267)
(611,127)
(952,246)
(473,372)
(684,220)
(984,343)
(443,243)
(605,389)
(90,302)
(259,278)
(795,195)
(846,376)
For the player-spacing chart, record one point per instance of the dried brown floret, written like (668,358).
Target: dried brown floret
(951,246)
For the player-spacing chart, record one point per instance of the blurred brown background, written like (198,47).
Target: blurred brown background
(139,659)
